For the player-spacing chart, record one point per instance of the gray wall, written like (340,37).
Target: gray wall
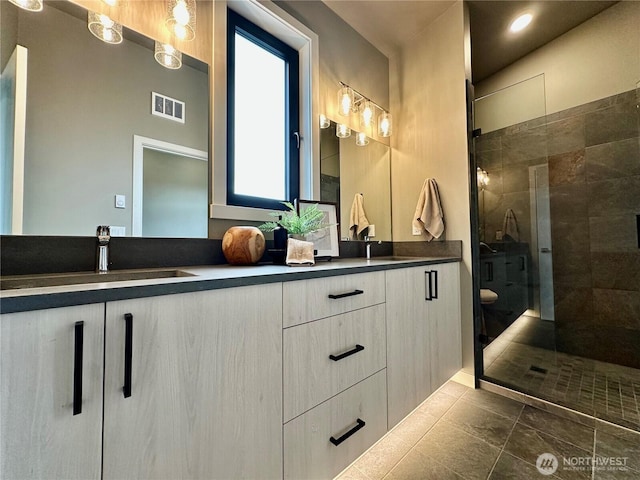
(175,195)
(86,100)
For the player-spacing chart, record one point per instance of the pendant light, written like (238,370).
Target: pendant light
(167,56)
(102,27)
(29,5)
(342,131)
(362,139)
(385,125)
(181,18)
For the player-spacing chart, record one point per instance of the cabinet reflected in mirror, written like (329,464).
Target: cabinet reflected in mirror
(85,102)
(347,169)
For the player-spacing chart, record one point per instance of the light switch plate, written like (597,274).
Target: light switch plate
(117,231)
(121,201)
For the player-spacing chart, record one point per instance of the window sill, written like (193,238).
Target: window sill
(232,212)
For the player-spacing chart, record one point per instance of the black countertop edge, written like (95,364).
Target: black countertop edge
(44,301)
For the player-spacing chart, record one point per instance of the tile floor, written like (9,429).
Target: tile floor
(603,390)
(462,433)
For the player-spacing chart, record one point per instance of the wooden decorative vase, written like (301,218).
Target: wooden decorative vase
(243,245)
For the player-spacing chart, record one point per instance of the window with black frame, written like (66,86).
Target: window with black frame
(262,117)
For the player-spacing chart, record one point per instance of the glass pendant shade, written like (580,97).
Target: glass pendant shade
(366,114)
(167,56)
(385,124)
(362,139)
(181,18)
(342,131)
(104,28)
(345,101)
(324,121)
(30,5)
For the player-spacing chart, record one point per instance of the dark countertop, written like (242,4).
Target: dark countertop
(203,278)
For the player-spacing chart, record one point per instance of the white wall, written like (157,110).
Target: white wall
(428,100)
(604,49)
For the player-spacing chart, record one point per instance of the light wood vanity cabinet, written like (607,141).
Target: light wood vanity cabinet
(44,380)
(423,334)
(296,378)
(206,386)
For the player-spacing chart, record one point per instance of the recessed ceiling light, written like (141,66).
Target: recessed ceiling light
(521,22)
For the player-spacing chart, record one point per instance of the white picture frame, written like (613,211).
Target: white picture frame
(326,241)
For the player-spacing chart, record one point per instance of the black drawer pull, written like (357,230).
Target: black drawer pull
(128,354)
(428,290)
(435,285)
(77,368)
(348,294)
(335,358)
(338,441)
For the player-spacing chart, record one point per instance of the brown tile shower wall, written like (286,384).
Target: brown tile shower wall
(593,154)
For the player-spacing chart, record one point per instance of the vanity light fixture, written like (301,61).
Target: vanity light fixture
(181,18)
(324,121)
(167,56)
(362,139)
(104,28)
(29,5)
(521,22)
(342,131)
(350,100)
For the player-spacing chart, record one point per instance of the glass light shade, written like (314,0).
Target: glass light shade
(30,5)
(324,121)
(342,131)
(483,177)
(362,139)
(345,101)
(521,22)
(104,28)
(385,124)
(181,18)
(366,114)
(167,56)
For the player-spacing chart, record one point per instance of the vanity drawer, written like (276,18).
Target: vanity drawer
(307,300)
(308,449)
(357,343)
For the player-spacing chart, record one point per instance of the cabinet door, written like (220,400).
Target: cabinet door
(408,331)
(206,386)
(443,313)
(48,365)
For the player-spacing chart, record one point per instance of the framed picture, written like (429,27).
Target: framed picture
(325,241)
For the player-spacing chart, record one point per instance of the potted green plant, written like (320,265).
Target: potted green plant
(310,220)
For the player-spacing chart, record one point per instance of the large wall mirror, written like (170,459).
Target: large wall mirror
(93,152)
(348,170)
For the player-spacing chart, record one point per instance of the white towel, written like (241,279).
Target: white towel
(428,214)
(510,225)
(358,218)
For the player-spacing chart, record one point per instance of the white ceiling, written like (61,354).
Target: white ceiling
(390,24)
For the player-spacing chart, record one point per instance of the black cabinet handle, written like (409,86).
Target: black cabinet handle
(77,368)
(348,294)
(489,271)
(522,263)
(338,441)
(427,286)
(335,358)
(435,284)
(128,353)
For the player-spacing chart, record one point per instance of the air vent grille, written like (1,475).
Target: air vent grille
(167,107)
